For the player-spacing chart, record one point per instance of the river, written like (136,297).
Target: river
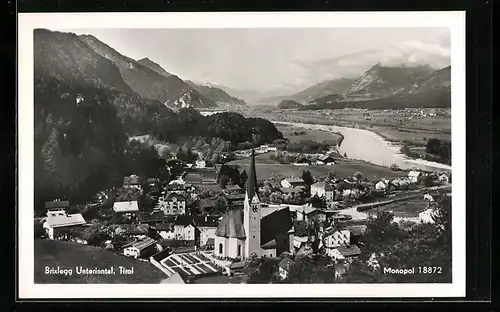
(368,146)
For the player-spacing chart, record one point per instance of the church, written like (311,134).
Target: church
(243,232)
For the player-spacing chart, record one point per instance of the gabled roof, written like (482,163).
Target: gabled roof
(325,157)
(65,220)
(131,180)
(183,220)
(143,243)
(126,206)
(352,250)
(413,173)
(270,244)
(286,264)
(231,225)
(294,180)
(289,190)
(206,221)
(171,196)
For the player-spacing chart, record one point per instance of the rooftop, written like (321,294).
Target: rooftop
(142,243)
(65,220)
(127,206)
(231,225)
(352,250)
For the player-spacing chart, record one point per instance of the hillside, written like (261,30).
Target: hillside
(431,99)
(382,82)
(216,94)
(148,83)
(66,255)
(64,55)
(438,80)
(287,104)
(327,87)
(154,66)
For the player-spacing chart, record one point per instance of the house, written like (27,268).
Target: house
(201,163)
(335,238)
(130,230)
(232,189)
(325,160)
(323,189)
(165,230)
(184,228)
(298,242)
(414,175)
(206,225)
(443,178)
(342,253)
(142,248)
(63,204)
(292,182)
(57,219)
(126,207)
(207,204)
(285,266)
(173,204)
(424,215)
(382,185)
(152,217)
(292,191)
(303,161)
(308,213)
(132,181)
(356,232)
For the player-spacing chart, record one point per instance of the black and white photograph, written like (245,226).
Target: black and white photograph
(242,148)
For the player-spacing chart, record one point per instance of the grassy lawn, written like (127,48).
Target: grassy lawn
(68,255)
(266,166)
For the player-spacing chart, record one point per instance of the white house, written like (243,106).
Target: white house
(206,226)
(132,181)
(141,248)
(58,218)
(126,207)
(323,189)
(381,185)
(285,266)
(325,160)
(413,176)
(428,197)
(184,228)
(174,204)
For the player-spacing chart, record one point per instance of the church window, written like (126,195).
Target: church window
(220,248)
(253,236)
(239,250)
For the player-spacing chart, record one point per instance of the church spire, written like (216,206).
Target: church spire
(252,178)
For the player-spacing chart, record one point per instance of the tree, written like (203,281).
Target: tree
(220,205)
(311,269)
(260,270)
(307,177)
(223,181)
(359,176)
(318,202)
(243,178)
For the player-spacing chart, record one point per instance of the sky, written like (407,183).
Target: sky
(283,59)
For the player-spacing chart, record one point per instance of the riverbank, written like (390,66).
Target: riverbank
(369,146)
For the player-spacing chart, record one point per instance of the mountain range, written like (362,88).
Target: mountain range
(377,83)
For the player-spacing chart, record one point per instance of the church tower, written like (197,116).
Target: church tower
(252,212)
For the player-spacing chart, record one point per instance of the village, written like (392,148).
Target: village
(205,223)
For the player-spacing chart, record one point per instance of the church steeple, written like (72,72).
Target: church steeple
(252,178)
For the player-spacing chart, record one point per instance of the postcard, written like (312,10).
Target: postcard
(241,155)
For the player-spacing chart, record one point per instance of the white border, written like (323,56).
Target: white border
(455,21)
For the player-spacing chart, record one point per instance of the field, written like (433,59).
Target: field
(265,167)
(312,135)
(414,126)
(407,207)
(70,255)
